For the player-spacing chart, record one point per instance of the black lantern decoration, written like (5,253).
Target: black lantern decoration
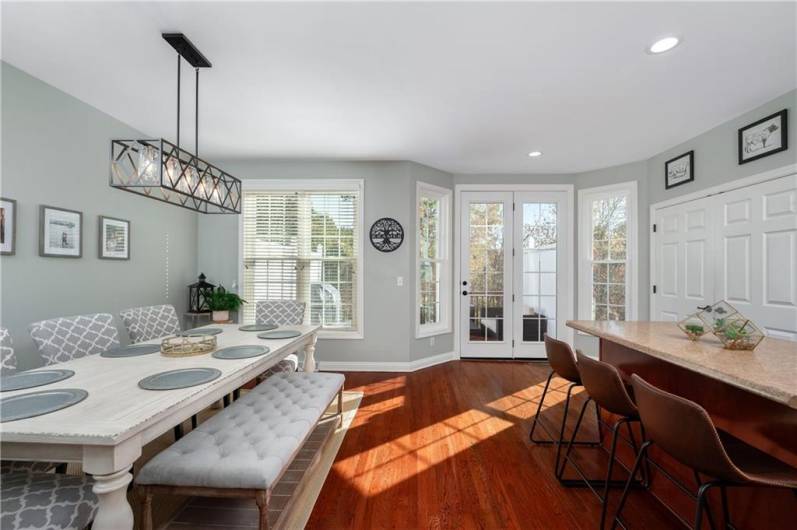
(198,294)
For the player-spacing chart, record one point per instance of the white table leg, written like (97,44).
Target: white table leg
(114,512)
(309,351)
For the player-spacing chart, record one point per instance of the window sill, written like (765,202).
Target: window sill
(340,335)
(432,332)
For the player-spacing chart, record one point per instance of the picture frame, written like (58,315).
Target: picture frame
(679,170)
(113,238)
(764,137)
(8,226)
(60,232)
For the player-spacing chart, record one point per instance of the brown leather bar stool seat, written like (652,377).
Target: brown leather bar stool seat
(563,364)
(605,387)
(684,430)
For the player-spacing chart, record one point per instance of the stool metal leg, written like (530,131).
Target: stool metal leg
(704,500)
(537,414)
(642,455)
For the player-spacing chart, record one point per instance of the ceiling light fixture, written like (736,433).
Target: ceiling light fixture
(663,45)
(535,154)
(159,169)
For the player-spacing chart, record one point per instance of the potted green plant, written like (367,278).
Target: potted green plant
(221,303)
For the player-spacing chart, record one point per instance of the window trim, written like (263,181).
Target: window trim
(445,196)
(317,185)
(586,197)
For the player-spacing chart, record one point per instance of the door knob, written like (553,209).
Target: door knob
(464,282)
(464,293)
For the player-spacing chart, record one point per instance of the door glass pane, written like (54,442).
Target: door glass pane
(539,271)
(486,271)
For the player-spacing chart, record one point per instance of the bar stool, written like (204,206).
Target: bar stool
(684,430)
(605,387)
(563,363)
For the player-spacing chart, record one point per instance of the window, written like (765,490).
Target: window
(607,235)
(304,244)
(433,268)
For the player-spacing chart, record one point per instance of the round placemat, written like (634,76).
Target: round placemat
(198,332)
(240,352)
(258,327)
(24,380)
(279,334)
(34,404)
(182,378)
(133,350)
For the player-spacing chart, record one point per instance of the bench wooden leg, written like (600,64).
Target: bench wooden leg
(262,498)
(146,508)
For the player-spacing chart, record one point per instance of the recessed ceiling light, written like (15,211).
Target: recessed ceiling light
(535,154)
(663,45)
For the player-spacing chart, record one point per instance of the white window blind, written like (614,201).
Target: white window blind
(303,245)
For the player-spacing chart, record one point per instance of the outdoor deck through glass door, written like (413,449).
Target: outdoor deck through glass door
(514,272)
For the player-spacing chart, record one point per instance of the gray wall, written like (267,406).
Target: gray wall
(389,192)
(56,152)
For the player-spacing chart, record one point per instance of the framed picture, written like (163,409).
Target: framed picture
(8,226)
(60,233)
(765,137)
(114,238)
(679,170)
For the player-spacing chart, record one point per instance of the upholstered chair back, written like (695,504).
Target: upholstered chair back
(63,339)
(151,322)
(279,312)
(8,360)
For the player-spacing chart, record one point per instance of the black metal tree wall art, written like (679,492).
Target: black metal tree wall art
(386,234)
(159,169)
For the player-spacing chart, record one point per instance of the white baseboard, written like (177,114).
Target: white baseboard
(388,366)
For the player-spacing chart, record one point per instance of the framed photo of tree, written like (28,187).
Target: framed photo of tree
(8,226)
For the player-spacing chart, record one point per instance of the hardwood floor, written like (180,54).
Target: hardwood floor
(447,447)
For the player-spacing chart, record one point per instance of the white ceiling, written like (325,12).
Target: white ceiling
(464,87)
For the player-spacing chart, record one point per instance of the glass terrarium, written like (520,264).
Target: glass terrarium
(717,315)
(693,327)
(739,333)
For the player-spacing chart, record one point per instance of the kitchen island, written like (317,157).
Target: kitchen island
(751,395)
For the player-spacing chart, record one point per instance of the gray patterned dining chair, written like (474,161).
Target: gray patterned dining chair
(63,339)
(9,366)
(280,313)
(46,500)
(150,322)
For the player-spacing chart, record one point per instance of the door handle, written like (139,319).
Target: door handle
(704,308)
(464,293)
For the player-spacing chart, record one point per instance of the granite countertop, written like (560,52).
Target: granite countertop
(769,371)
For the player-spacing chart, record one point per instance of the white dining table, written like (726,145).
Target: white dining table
(106,431)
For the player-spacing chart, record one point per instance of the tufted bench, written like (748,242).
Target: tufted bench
(243,450)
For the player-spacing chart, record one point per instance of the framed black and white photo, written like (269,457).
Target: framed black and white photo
(8,226)
(114,238)
(765,137)
(60,233)
(679,170)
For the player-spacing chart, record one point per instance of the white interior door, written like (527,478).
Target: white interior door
(684,254)
(757,258)
(542,270)
(739,246)
(486,274)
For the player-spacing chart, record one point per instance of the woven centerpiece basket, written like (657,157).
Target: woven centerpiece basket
(188,346)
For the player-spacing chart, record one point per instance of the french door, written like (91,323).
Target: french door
(514,272)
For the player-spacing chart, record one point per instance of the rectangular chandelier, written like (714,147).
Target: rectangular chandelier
(160,170)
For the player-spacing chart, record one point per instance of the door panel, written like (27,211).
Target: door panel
(758,269)
(486,265)
(684,259)
(542,271)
